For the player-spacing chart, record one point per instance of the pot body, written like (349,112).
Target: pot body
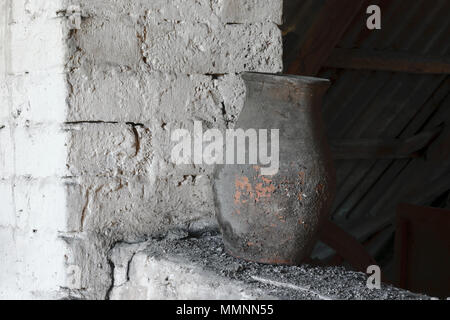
(276,219)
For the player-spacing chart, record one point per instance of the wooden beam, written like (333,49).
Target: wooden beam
(421,181)
(323,36)
(362,59)
(370,179)
(382,148)
(346,246)
(421,238)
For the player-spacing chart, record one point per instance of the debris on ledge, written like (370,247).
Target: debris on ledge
(199,268)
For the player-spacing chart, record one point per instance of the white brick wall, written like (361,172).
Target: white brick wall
(85,122)
(32,150)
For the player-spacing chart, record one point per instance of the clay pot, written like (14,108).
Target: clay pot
(276,219)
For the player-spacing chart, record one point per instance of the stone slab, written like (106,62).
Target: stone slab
(182,267)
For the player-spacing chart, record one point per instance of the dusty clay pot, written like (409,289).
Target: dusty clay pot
(277,219)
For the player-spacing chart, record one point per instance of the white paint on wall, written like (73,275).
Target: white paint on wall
(32,150)
(85,122)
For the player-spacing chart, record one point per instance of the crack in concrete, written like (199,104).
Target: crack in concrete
(111,287)
(113,266)
(129,265)
(142,38)
(133,124)
(83,212)
(137,140)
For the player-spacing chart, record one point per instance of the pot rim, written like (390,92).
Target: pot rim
(302,81)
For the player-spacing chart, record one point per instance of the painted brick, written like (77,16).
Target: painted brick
(227,11)
(213,48)
(130,96)
(31,43)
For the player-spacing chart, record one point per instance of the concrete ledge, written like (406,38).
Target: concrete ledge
(198,268)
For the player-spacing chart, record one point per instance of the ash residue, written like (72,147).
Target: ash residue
(285,282)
